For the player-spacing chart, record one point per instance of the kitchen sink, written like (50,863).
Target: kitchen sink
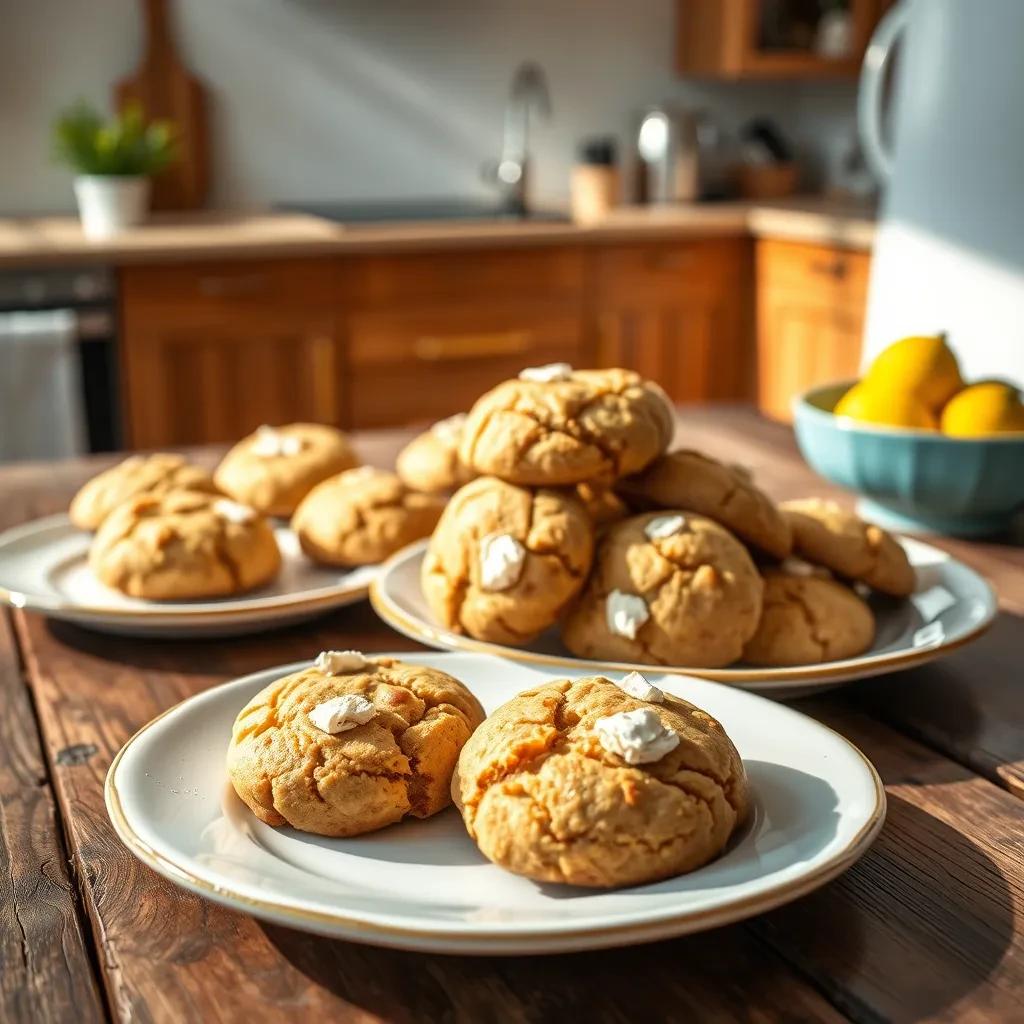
(381,211)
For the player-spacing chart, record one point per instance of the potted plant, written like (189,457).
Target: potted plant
(113,161)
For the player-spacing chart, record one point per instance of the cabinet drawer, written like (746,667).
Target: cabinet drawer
(664,269)
(219,285)
(472,276)
(426,364)
(842,274)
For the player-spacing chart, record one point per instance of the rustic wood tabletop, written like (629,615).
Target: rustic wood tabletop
(929,925)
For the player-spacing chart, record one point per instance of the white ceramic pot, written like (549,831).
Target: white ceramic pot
(109,203)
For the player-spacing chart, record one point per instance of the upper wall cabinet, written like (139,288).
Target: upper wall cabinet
(734,39)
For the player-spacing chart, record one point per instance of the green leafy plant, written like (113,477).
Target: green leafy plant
(126,144)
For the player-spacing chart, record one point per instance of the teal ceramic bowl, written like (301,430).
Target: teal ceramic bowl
(913,479)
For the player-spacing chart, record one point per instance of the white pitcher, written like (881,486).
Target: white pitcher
(949,252)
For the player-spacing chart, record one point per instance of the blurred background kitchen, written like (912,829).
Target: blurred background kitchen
(374,211)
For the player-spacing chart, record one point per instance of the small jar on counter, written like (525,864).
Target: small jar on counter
(596,185)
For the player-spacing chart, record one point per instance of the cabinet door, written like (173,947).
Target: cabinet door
(210,353)
(679,314)
(810,318)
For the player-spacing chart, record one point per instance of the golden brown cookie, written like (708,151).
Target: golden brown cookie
(603,505)
(827,534)
(184,544)
(554,785)
(138,474)
(689,480)
(505,560)
(274,468)
(583,426)
(809,619)
(362,516)
(667,588)
(351,744)
(430,462)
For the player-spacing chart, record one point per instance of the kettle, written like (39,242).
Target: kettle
(668,156)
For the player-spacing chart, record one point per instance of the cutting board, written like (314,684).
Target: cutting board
(166,89)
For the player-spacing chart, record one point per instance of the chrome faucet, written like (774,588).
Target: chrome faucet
(528,96)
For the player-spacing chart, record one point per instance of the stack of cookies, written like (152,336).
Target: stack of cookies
(577,514)
(168,530)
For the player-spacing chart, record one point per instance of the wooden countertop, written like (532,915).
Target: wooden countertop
(928,926)
(34,241)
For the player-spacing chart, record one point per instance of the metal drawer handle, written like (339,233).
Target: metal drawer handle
(226,286)
(433,348)
(833,268)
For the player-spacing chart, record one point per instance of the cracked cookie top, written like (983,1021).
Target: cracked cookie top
(827,534)
(430,461)
(807,620)
(543,798)
(591,426)
(505,560)
(184,544)
(686,479)
(137,475)
(362,516)
(668,588)
(274,468)
(398,762)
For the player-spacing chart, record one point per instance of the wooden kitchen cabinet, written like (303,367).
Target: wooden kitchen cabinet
(679,313)
(736,39)
(810,318)
(210,351)
(426,334)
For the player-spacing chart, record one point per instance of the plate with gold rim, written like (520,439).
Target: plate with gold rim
(951,606)
(817,803)
(44,567)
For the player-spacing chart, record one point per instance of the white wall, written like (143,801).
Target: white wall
(352,99)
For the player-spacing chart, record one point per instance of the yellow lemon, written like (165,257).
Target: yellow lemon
(922,364)
(891,408)
(988,407)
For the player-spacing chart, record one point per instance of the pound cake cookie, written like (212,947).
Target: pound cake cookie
(184,545)
(828,535)
(555,426)
(139,474)
(274,468)
(808,618)
(596,784)
(504,560)
(687,479)
(668,588)
(430,462)
(362,516)
(351,744)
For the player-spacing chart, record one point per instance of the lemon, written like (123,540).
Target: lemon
(922,364)
(871,403)
(988,407)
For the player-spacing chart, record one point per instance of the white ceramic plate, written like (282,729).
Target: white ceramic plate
(817,805)
(951,606)
(44,567)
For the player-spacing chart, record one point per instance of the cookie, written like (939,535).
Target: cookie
(274,468)
(184,544)
(808,619)
(504,560)
(430,462)
(351,744)
(558,427)
(603,505)
(689,480)
(139,474)
(668,588)
(362,516)
(582,783)
(828,535)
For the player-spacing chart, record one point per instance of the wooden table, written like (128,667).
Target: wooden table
(928,926)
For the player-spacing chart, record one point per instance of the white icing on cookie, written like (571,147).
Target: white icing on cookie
(625,613)
(546,374)
(665,526)
(637,686)
(339,714)
(501,561)
(638,737)
(339,663)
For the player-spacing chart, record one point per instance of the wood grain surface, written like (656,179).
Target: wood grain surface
(924,927)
